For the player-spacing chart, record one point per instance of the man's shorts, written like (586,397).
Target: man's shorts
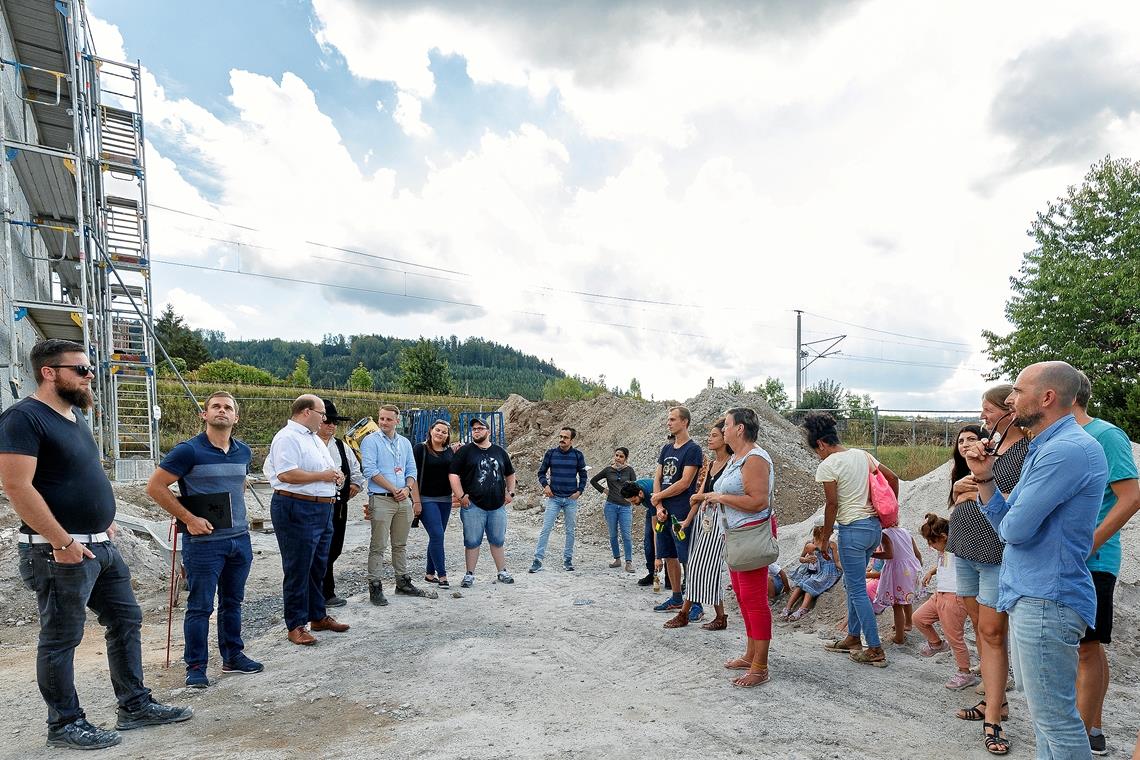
(1105,584)
(669,546)
(477,522)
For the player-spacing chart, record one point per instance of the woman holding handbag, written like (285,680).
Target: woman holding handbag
(846,477)
(433,458)
(744,491)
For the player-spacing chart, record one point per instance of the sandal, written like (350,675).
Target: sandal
(758,677)
(443,583)
(431,579)
(865,657)
(978,711)
(680,620)
(799,614)
(996,743)
(718,623)
(739,663)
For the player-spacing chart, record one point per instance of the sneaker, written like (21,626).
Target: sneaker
(535,566)
(196,677)
(152,714)
(568,566)
(629,567)
(929,650)
(696,613)
(335,601)
(79,734)
(242,664)
(961,681)
(468,580)
(669,605)
(505,577)
(615,563)
(646,581)
(1098,745)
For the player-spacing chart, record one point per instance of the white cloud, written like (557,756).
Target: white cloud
(408,115)
(197,311)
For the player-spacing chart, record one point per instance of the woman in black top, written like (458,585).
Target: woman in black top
(978,549)
(618,510)
(433,460)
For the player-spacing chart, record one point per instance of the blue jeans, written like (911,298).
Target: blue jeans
(616,515)
(63,593)
(554,505)
(220,567)
(478,521)
(1046,635)
(434,515)
(856,543)
(304,533)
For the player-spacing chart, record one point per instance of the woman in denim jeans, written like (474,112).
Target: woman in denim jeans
(433,460)
(844,474)
(618,510)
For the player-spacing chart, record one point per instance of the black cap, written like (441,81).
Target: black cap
(330,412)
(480,420)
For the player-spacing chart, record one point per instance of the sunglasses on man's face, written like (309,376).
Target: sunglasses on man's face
(79,369)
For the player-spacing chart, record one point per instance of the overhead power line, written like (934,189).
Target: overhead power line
(888,332)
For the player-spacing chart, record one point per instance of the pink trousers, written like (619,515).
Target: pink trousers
(946,608)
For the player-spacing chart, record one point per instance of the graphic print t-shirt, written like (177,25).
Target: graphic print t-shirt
(483,473)
(673,462)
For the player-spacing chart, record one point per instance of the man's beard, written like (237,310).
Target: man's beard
(1029,420)
(79,396)
(478,438)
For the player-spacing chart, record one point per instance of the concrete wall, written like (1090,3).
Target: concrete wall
(32,277)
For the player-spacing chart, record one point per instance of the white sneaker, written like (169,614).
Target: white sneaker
(468,580)
(505,577)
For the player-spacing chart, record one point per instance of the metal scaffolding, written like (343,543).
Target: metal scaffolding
(77,154)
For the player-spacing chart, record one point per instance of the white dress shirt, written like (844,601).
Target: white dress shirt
(295,447)
(355,476)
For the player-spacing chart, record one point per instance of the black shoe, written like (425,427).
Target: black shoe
(152,714)
(376,594)
(335,601)
(1098,745)
(404,586)
(568,566)
(646,581)
(79,734)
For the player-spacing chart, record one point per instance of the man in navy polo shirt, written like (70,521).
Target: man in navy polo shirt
(217,560)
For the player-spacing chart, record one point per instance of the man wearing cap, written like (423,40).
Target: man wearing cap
(345,460)
(305,484)
(216,558)
(393,499)
(483,482)
(53,477)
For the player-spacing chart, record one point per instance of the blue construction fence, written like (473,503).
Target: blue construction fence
(417,422)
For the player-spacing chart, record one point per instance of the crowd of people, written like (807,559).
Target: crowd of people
(1028,550)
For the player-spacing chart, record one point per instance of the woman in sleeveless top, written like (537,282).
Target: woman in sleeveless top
(744,492)
(978,552)
(703,584)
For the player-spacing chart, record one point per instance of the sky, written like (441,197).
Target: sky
(627,188)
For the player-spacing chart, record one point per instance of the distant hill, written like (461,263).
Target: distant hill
(479,367)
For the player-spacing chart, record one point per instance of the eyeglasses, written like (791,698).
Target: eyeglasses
(79,369)
(323,415)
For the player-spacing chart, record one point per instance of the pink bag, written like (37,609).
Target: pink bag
(882,495)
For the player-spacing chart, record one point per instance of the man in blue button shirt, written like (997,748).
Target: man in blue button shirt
(562,476)
(1047,525)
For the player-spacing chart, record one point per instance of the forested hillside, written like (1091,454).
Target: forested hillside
(478,367)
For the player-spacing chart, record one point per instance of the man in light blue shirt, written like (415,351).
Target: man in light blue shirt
(393,498)
(1047,525)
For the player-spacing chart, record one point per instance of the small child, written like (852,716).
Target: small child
(945,606)
(898,579)
(778,581)
(815,575)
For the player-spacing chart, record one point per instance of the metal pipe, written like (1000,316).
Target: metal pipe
(5,198)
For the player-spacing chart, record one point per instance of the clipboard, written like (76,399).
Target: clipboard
(214,507)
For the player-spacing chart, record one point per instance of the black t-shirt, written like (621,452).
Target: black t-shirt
(433,469)
(483,473)
(69,471)
(673,461)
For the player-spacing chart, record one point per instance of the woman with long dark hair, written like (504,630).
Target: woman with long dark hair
(433,459)
(960,487)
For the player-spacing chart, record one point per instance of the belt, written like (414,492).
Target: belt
(80,538)
(306,497)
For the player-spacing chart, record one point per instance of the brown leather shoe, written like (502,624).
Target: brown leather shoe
(329,624)
(300,636)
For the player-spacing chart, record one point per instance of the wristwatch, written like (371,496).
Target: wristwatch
(512,494)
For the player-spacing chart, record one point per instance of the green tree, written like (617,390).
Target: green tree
(299,378)
(424,370)
(566,388)
(735,386)
(773,391)
(360,379)
(858,407)
(825,394)
(635,388)
(179,340)
(229,371)
(1076,296)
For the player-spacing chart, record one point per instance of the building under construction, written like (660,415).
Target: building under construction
(76,262)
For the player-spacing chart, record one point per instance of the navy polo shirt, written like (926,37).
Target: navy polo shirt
(201,467)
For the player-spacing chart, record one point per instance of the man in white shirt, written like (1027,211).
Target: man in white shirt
(344,459)
(305,485)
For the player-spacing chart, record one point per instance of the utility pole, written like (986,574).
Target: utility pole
(802,350)
(799,356)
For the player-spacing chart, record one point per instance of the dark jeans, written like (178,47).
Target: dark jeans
(650,541)
(304,534)
(217,567)
(434,516)
(64,592)
(339,523)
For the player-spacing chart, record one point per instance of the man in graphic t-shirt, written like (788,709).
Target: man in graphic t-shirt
(483,482)
(673,483)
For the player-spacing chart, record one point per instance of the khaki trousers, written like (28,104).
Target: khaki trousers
(391,520)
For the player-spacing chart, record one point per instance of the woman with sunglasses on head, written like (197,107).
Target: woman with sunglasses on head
(433,460)
(978,552)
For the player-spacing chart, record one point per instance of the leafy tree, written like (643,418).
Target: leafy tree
(735,386)
(179,340)
(568,388)
(1076,296)
(299,378)
(635,388)
(825,394)
(164,369)
(229,371)
(773,391)
(424,370)
(858,407)
(360,379)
